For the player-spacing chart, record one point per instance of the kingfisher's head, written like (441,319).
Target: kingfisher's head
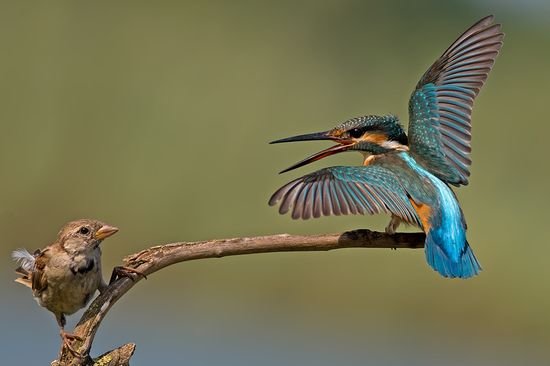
(366,134)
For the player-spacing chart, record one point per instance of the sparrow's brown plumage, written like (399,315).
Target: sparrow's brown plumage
(65,275)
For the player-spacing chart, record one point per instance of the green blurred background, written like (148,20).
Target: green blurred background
(155,117)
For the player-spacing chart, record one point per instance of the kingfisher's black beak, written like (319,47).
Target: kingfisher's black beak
(325,135)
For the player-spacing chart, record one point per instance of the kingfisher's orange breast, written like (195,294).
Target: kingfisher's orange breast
(424,213)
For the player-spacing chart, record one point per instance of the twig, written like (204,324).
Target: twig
(155,258)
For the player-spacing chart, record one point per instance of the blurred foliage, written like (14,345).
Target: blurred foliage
(155,117)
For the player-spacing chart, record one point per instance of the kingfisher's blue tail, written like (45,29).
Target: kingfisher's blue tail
(466,266)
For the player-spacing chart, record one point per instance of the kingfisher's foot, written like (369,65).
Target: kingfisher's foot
(393,225)
(121,271)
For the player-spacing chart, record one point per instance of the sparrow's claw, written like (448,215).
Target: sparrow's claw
(121,271)
(67,338)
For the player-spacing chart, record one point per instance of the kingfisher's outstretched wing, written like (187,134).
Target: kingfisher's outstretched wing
(440,108)
(344,190)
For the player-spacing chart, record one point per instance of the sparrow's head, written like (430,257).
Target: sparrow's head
(84,235)
(366,134)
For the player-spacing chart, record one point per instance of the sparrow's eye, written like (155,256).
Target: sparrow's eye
(84,230)
(356,133)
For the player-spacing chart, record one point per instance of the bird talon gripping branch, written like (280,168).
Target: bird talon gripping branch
(67,338)
(123,271)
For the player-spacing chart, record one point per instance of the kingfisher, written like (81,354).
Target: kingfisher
(408,175)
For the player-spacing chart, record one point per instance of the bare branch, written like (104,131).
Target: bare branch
(153,259)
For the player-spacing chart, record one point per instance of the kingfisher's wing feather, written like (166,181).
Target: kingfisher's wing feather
(345,190)
(440,107)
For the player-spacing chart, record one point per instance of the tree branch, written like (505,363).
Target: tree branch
(153,259)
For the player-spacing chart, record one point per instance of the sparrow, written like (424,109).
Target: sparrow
(65,275)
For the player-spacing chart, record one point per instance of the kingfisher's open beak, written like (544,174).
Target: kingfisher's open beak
(105,231)
(318,156)
(325,135)
(343,145)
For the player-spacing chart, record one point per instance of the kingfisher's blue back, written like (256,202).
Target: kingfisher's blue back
(447,250)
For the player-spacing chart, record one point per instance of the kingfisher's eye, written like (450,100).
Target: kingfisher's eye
(84,230)
(356,133)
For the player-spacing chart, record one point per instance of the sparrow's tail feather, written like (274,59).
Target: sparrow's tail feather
(25,281)
(25,259)
(26,265)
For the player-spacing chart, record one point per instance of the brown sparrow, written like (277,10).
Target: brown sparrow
(65,275)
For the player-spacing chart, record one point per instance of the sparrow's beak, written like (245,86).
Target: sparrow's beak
(344,145)
(105,231)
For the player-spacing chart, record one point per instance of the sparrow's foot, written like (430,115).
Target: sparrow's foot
(67,338)
(121,271)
